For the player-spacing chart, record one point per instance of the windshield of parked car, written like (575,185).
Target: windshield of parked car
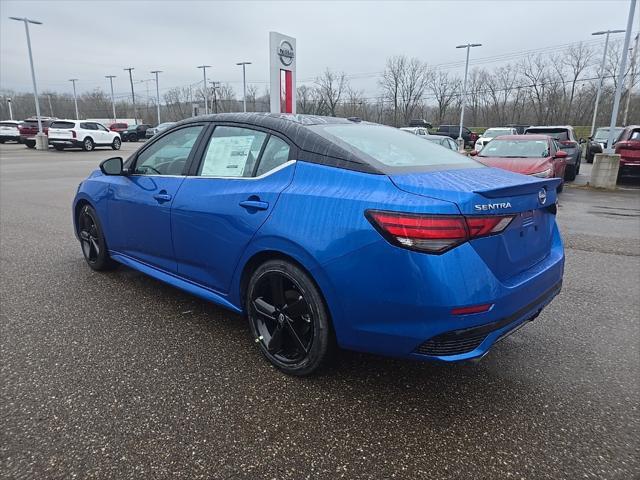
(495,132)
(385,147)
(516,149)
(602,134)
(560,134)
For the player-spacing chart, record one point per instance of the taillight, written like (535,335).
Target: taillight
(568,143)
(73,134)
(434,233)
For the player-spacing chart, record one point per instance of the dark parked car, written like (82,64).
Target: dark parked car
(453,131)
(29,128)
(628,147)
(135,133)
(566,137)
(598,142)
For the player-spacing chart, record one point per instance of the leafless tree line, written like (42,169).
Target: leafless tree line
(541,89)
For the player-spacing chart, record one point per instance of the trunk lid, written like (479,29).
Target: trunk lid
(489,191)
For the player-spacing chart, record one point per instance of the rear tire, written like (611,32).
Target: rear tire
(30,144)
(116,144)
(58,147)
(88,145)
(570,173)
(288,319)
(92,241)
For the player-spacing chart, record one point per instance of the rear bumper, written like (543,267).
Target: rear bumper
(628,169)
(10,138)
(398,303)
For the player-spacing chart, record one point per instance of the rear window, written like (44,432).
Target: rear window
(66,125)
(391,149)
(7,124)
(635,134)
(560,134)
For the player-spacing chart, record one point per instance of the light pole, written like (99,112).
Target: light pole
(41,143)
(10,109)
(75,98)
(133,94)
(601,74)
(632,79)
(244,85)
(468,46)
(621,70)
(113,99)
(206,100)
(156,72)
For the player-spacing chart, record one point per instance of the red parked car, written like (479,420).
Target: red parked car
(29,128)
(119,127)
(628,147)
(537,155)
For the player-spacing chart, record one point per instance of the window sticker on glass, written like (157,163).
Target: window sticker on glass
(232,152)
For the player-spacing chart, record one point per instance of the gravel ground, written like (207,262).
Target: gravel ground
(118,376)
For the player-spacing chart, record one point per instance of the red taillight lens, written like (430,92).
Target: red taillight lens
(73,134)
(471,310)
(434,233)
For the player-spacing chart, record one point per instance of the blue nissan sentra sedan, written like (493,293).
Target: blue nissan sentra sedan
(329,232)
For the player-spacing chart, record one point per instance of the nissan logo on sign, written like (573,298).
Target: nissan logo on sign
(285,52)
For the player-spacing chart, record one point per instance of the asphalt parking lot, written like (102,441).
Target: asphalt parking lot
(118,376)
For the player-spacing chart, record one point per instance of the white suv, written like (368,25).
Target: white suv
(9,131)
(86,135)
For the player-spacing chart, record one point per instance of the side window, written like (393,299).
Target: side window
(275,154)
(101,127)
(232,152)
(169,154)
(554,148)
(85,126)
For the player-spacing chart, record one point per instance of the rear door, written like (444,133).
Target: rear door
(231,193)
(139,205)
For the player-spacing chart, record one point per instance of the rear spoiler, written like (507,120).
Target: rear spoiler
(521,189)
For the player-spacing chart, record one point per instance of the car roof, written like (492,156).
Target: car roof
(523,137)
(315,148)
(568,127)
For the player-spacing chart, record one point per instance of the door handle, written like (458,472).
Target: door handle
(254,204)
(162,197)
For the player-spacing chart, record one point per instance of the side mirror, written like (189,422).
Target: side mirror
(561,154)
(590,138)
(473,153)
(112,166)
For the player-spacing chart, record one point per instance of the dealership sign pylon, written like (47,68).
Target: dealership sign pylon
(282,66)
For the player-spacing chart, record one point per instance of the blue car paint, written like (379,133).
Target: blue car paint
(381,298)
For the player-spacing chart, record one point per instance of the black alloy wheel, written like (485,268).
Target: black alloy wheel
(92,241)
(287,318)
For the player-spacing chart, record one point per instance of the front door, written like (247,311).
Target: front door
(140,203)
(217,211)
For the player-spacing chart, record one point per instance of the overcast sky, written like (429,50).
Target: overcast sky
(90,39)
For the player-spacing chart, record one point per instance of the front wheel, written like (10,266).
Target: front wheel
(288,319)
(94,246)
(88,145)
(116,144)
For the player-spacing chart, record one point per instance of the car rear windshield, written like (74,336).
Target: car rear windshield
(7,124)
(119,125)
(496,132)
(516,149)
(65,125)
(560,134)
(602,134)
(392,150)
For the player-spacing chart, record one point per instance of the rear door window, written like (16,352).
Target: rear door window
(232,152)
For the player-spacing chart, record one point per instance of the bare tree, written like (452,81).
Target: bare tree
(444,88)
(404,83)
(330,87)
